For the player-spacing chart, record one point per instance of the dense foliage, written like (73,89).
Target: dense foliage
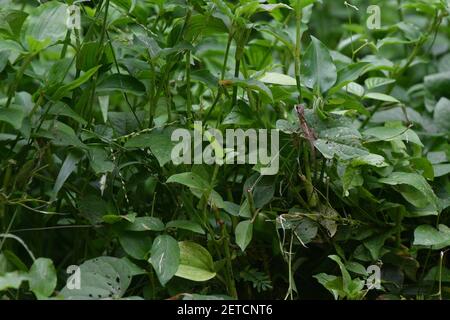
(86,178)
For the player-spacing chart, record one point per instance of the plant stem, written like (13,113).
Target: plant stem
(188,86)
(236,75)
(14,85)
(298,47)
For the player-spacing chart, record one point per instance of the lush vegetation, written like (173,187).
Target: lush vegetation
(86,178)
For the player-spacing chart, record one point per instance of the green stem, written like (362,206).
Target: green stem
(19,74)
(188,86)
(66,44)
(236,75)
(298,47)
(225,59)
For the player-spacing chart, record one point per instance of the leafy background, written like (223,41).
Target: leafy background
(86,118)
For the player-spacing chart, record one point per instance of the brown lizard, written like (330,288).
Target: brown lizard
(308,133)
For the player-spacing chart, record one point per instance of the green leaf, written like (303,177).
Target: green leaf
(373,160)
(372,83)
(351,73)
(100,160)
(121,83)
(137,245)
(44,26)
(441,170)
(380,97)
(318,69)
(60,134)
(330,149)
(69,165)
(101,278)
(159,142)
(393,133)
(196,263)
(190,180)
(306,231)
(332,283)
(61,109)
(13,115)
(346,279)
(438,84)
(244,234)
(442,115)
(352,178)
(355,89)
(414,180)
(145,224)
(12,280)
(63,90)
(278,78)
(11,22)
(165,257)
(186,225)
(42,278)
(426,235)
(253,84)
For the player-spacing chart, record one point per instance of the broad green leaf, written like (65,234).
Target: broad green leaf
(159,142)
(12,280)
(278,78)
(346,279)
(332,283)
(393,133)
(306,231)
(42,278)
(441,170)
(244,234)
(136,244)
(11,22)
(426,235)
(13,115)
(60,134)
(121,83)
(61,109)
(371,159)
(354,88)
(442,115)
(196,263)
(253,84)
(375,244)
(186,225)
(414,180)
(375,82)
(63,90)
(44,26)
(318,69)
(381,97)
(145,224)
(165,257)
(100,160)
(331,149)
(100,278)
(351,73)
(438,84)
(190,180)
